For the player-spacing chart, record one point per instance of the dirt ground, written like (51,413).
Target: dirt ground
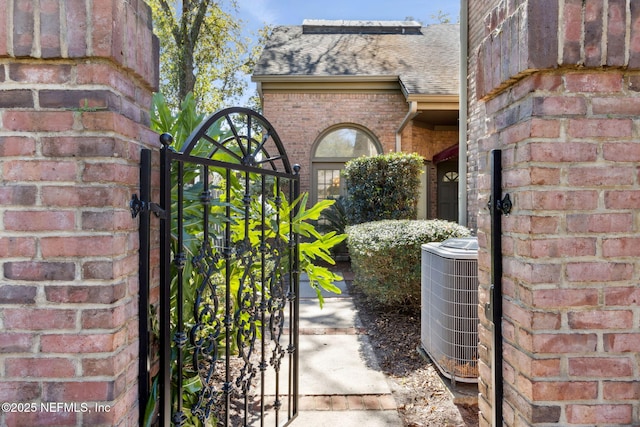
(423,400)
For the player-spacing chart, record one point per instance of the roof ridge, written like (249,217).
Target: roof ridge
(325,26)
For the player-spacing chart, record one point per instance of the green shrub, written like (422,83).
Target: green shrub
(385,257)
(383,187)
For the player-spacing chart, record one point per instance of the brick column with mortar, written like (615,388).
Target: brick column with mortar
(556,87)
(76,83)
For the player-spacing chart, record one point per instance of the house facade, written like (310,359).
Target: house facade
(553,85)
(336,90)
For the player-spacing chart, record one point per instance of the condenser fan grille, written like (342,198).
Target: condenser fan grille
(449,324)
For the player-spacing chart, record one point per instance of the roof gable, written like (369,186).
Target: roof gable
(424,59)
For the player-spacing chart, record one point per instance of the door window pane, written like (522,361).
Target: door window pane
(450,177)
(328,184)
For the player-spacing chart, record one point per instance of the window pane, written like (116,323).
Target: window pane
(450,177)
(346,142)
(328,181)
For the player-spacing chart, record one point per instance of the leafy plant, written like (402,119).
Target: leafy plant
(385,257)
(334,218)
(179,124)
(152,404)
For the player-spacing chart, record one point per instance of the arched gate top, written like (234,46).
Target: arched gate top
(239,136)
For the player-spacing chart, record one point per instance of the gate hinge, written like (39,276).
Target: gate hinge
(136,206)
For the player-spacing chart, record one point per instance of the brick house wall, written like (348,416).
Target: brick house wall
(555,86)
(439,140)
(76,83)
(300,118)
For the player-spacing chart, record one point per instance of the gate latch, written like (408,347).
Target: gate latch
(136,206)
(503,206)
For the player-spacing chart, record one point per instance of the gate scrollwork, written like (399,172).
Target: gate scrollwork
(229,278)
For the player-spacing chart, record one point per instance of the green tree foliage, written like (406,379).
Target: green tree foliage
(383,187)
(442,17)
(202,51)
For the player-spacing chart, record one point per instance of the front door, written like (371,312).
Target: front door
(448,190)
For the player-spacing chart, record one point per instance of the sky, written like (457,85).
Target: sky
(293,12)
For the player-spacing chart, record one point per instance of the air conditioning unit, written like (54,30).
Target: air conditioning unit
(449,320)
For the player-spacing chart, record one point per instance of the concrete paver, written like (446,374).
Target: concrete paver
(336,313)
(340,380)
(347,419)
(337,364)
(306,291)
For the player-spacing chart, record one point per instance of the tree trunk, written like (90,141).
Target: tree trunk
(187,79)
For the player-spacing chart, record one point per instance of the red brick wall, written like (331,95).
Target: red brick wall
(300,118)
(76,82)
(480,15)
(429,142)
(570,155)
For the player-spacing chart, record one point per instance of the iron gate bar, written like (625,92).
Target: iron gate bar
(144,267)
(294,301)
(246,356)
(497,206)
(228,320)
(263,299)
(179,260)
(253,303)
(164,383)
(201,132)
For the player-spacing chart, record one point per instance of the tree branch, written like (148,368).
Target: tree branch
(173,24)
(203,7)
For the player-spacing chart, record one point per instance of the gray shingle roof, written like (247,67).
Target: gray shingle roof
(426,59)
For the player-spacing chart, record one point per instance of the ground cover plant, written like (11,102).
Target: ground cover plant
(420,393)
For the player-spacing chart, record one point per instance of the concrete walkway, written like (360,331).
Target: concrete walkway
(340,380)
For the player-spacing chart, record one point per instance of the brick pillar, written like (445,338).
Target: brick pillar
(76,83)
(571,155)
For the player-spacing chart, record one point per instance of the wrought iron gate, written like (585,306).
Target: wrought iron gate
(229,275)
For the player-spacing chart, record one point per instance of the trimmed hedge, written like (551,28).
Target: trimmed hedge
(383,187)
(386,257)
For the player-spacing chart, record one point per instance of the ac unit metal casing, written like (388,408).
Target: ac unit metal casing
(449,320)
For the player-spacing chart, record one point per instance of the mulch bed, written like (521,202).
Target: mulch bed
(417,387)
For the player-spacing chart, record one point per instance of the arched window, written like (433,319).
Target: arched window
(332,150)
(450,177)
